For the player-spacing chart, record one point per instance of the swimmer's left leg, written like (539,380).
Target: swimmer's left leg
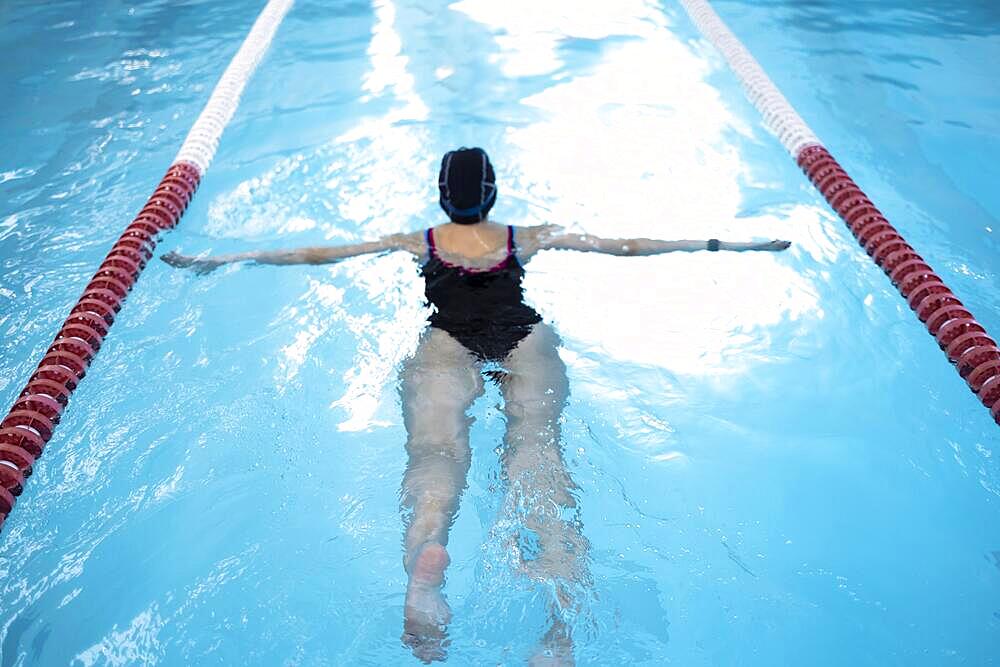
(539,485)
(438,384)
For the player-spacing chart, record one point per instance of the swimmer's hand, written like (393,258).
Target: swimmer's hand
(200,265)
(772,246)
(775,245)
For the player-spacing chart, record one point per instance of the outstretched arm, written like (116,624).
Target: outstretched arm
(314,255)
(556,238)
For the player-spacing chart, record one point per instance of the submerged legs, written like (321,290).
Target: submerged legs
(439,383)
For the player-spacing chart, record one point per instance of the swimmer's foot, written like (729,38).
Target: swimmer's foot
(555,649)
(426,613)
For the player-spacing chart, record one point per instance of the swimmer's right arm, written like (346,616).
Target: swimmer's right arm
(311,255)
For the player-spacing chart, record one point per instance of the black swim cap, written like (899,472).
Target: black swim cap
(468,185)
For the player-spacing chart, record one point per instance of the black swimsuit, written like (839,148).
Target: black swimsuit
(483,309)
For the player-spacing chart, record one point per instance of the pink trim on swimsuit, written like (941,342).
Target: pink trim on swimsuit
(468,269)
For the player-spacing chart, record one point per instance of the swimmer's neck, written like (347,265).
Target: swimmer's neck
(468,227)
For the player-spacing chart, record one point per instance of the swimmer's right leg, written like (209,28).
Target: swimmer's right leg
(439,384)
(535,392)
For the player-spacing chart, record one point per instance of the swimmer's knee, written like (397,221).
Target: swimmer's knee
(434,447)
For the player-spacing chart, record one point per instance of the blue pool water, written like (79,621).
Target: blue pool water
(776,464)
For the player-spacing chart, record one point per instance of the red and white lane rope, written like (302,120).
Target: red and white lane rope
(32,419)
(964,340)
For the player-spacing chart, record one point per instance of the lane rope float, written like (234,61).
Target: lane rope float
(963,339)
(31,420)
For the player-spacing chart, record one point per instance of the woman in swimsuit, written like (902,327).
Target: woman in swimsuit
(473,269)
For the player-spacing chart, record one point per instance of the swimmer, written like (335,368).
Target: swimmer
(472,269)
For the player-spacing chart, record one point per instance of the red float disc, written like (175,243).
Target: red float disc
(870,225)
(967,341)
(822,175)
(989,393)
(123,276)
(106,282)
(173,202)
(140,234)
(872,229)
(983,372)
(162,202)
(22,438)
(105,296)
(933,301)
(96,307)
(943,315)
(83,332)
(810,160)
(45,405)
(809,154)
(80,348)
(850,207)
(818,162)
(821,167)
(56,390)
(834,182)
(192,172)
(74,362)
(848,194)
(19,456)
(920,288)
(11,479)
(888,247)
(121,251)
(60,374)
(147,227)
(30,419)
(156,216)
(908,268)
(972,358)
(834,177)
(159,207)
(143,244)
(880,237)
(119,260)
(951,331)
(178,186)
(860,223)
(174,176)
(895,258)
(856,215)
(6,501)
(95,322)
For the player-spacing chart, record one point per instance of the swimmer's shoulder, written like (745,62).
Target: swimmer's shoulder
(530,239)
(412,242)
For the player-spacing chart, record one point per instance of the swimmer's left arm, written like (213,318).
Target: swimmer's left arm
(310,255)
(552,237)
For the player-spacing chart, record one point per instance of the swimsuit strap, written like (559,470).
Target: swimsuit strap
(510,240)
(429,235)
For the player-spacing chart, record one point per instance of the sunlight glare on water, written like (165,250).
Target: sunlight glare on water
(770,459)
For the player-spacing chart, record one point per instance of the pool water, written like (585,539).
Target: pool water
(775,463)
